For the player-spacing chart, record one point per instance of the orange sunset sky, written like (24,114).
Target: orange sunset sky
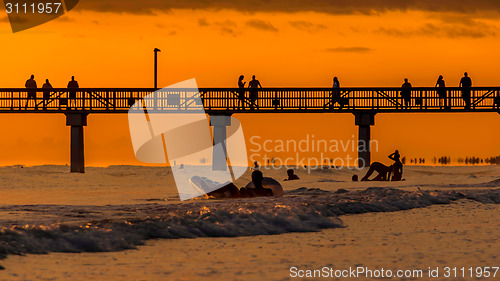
(285,43)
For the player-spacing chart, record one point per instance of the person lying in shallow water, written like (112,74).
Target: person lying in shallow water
(259,190)
(231,191)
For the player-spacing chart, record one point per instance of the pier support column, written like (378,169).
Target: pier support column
(77,121)
(220,122)
(364,121)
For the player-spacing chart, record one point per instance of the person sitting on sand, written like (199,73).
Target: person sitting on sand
(259,190)
(291,175)
(383,171)
(397,167)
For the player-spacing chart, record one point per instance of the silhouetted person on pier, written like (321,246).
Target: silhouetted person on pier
(335,93)
(254,84)
(31,86)
(72,86)
(466,84)
(397,167)
(291,175)
(241,92)
(406,93)
(46,93)
(443,99)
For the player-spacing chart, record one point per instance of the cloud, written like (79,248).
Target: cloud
(349,50)
(203,22)
(261,25)
(226,23)
(462,29)
(228,31)
(307,26)
(292,6)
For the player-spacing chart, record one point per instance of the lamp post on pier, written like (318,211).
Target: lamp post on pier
(156,50)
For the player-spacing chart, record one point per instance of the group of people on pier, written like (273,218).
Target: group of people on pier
(465,85)
(337,98)
(31,87)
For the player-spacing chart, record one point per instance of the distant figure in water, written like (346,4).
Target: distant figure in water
(259,190)
(31,86)
(72,85)
(241,92)
(291,175)
(256,165)
(466,84)
(254,84)
(355,178)
(406,93)
(443,100)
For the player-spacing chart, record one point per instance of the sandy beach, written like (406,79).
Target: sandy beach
(437,227)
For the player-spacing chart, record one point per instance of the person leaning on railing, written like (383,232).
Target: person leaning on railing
(72,86)
(31,86)
(466,84)
(46,93)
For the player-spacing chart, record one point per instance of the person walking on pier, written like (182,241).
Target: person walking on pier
(254,84)
(31,86)
(335,93)
(406,93)
(46,93)
(443,99)
(241,92)
(466,84)
(72,86)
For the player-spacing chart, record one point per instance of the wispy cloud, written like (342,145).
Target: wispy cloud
(261,25)
(462,29)
(292,6)
(349,50)
(307,26)
(203,22)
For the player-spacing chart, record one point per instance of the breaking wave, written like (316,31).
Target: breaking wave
(52,228)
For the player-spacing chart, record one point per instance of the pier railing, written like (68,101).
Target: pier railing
(234,100)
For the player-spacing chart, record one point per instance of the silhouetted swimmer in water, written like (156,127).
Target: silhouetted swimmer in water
(259,190)
(256,165)
(291,175)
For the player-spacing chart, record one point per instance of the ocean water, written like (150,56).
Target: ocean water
(119,208)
